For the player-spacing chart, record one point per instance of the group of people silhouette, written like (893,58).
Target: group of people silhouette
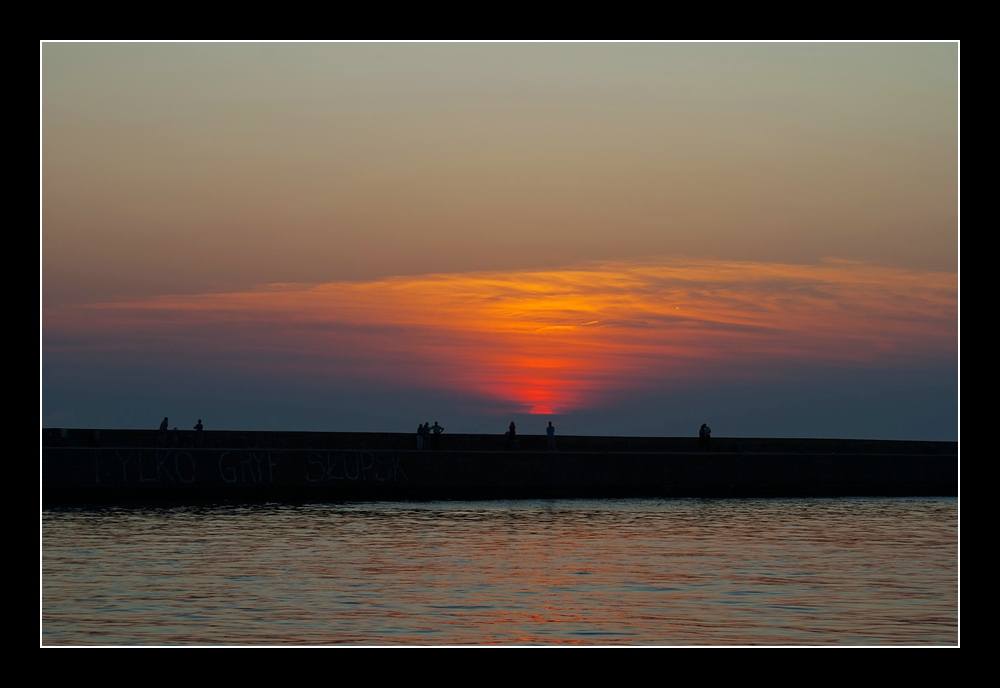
(427,435)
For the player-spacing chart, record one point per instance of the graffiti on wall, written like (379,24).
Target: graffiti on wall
(355,466)
(164,467)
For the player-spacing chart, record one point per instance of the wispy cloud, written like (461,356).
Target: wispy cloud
(545,341)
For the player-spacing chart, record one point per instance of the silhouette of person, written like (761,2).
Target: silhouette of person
(421,431)
(436,431)
(199,429)
(165,425)
(551,432)
(704,436)
(512,435)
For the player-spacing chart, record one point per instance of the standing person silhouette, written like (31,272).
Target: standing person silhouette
(704,436)
(436,431)
(421,431)
(551,433)
(200,430)
(165,425)
(512,435)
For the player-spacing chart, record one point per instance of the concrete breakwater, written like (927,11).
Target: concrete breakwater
(102,466)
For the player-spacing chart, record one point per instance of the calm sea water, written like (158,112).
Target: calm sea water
(694,572)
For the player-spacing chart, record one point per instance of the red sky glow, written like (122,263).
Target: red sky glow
(547,341)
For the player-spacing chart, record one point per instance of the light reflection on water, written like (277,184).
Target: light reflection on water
(857,571)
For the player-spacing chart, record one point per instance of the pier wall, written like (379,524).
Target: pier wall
(87,466)
(384,441)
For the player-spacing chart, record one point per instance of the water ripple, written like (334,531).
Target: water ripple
(696,572)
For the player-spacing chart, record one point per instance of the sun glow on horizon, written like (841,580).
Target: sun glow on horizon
(543,341)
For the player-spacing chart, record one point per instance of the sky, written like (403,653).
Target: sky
(622,238)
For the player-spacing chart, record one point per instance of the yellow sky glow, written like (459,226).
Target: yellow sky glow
(551,340)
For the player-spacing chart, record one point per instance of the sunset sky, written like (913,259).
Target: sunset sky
(620,238)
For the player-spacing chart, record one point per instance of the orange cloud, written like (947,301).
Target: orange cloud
(545,341)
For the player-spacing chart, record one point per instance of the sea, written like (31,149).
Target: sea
(689,572)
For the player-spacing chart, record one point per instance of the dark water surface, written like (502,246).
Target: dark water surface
(797,571)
